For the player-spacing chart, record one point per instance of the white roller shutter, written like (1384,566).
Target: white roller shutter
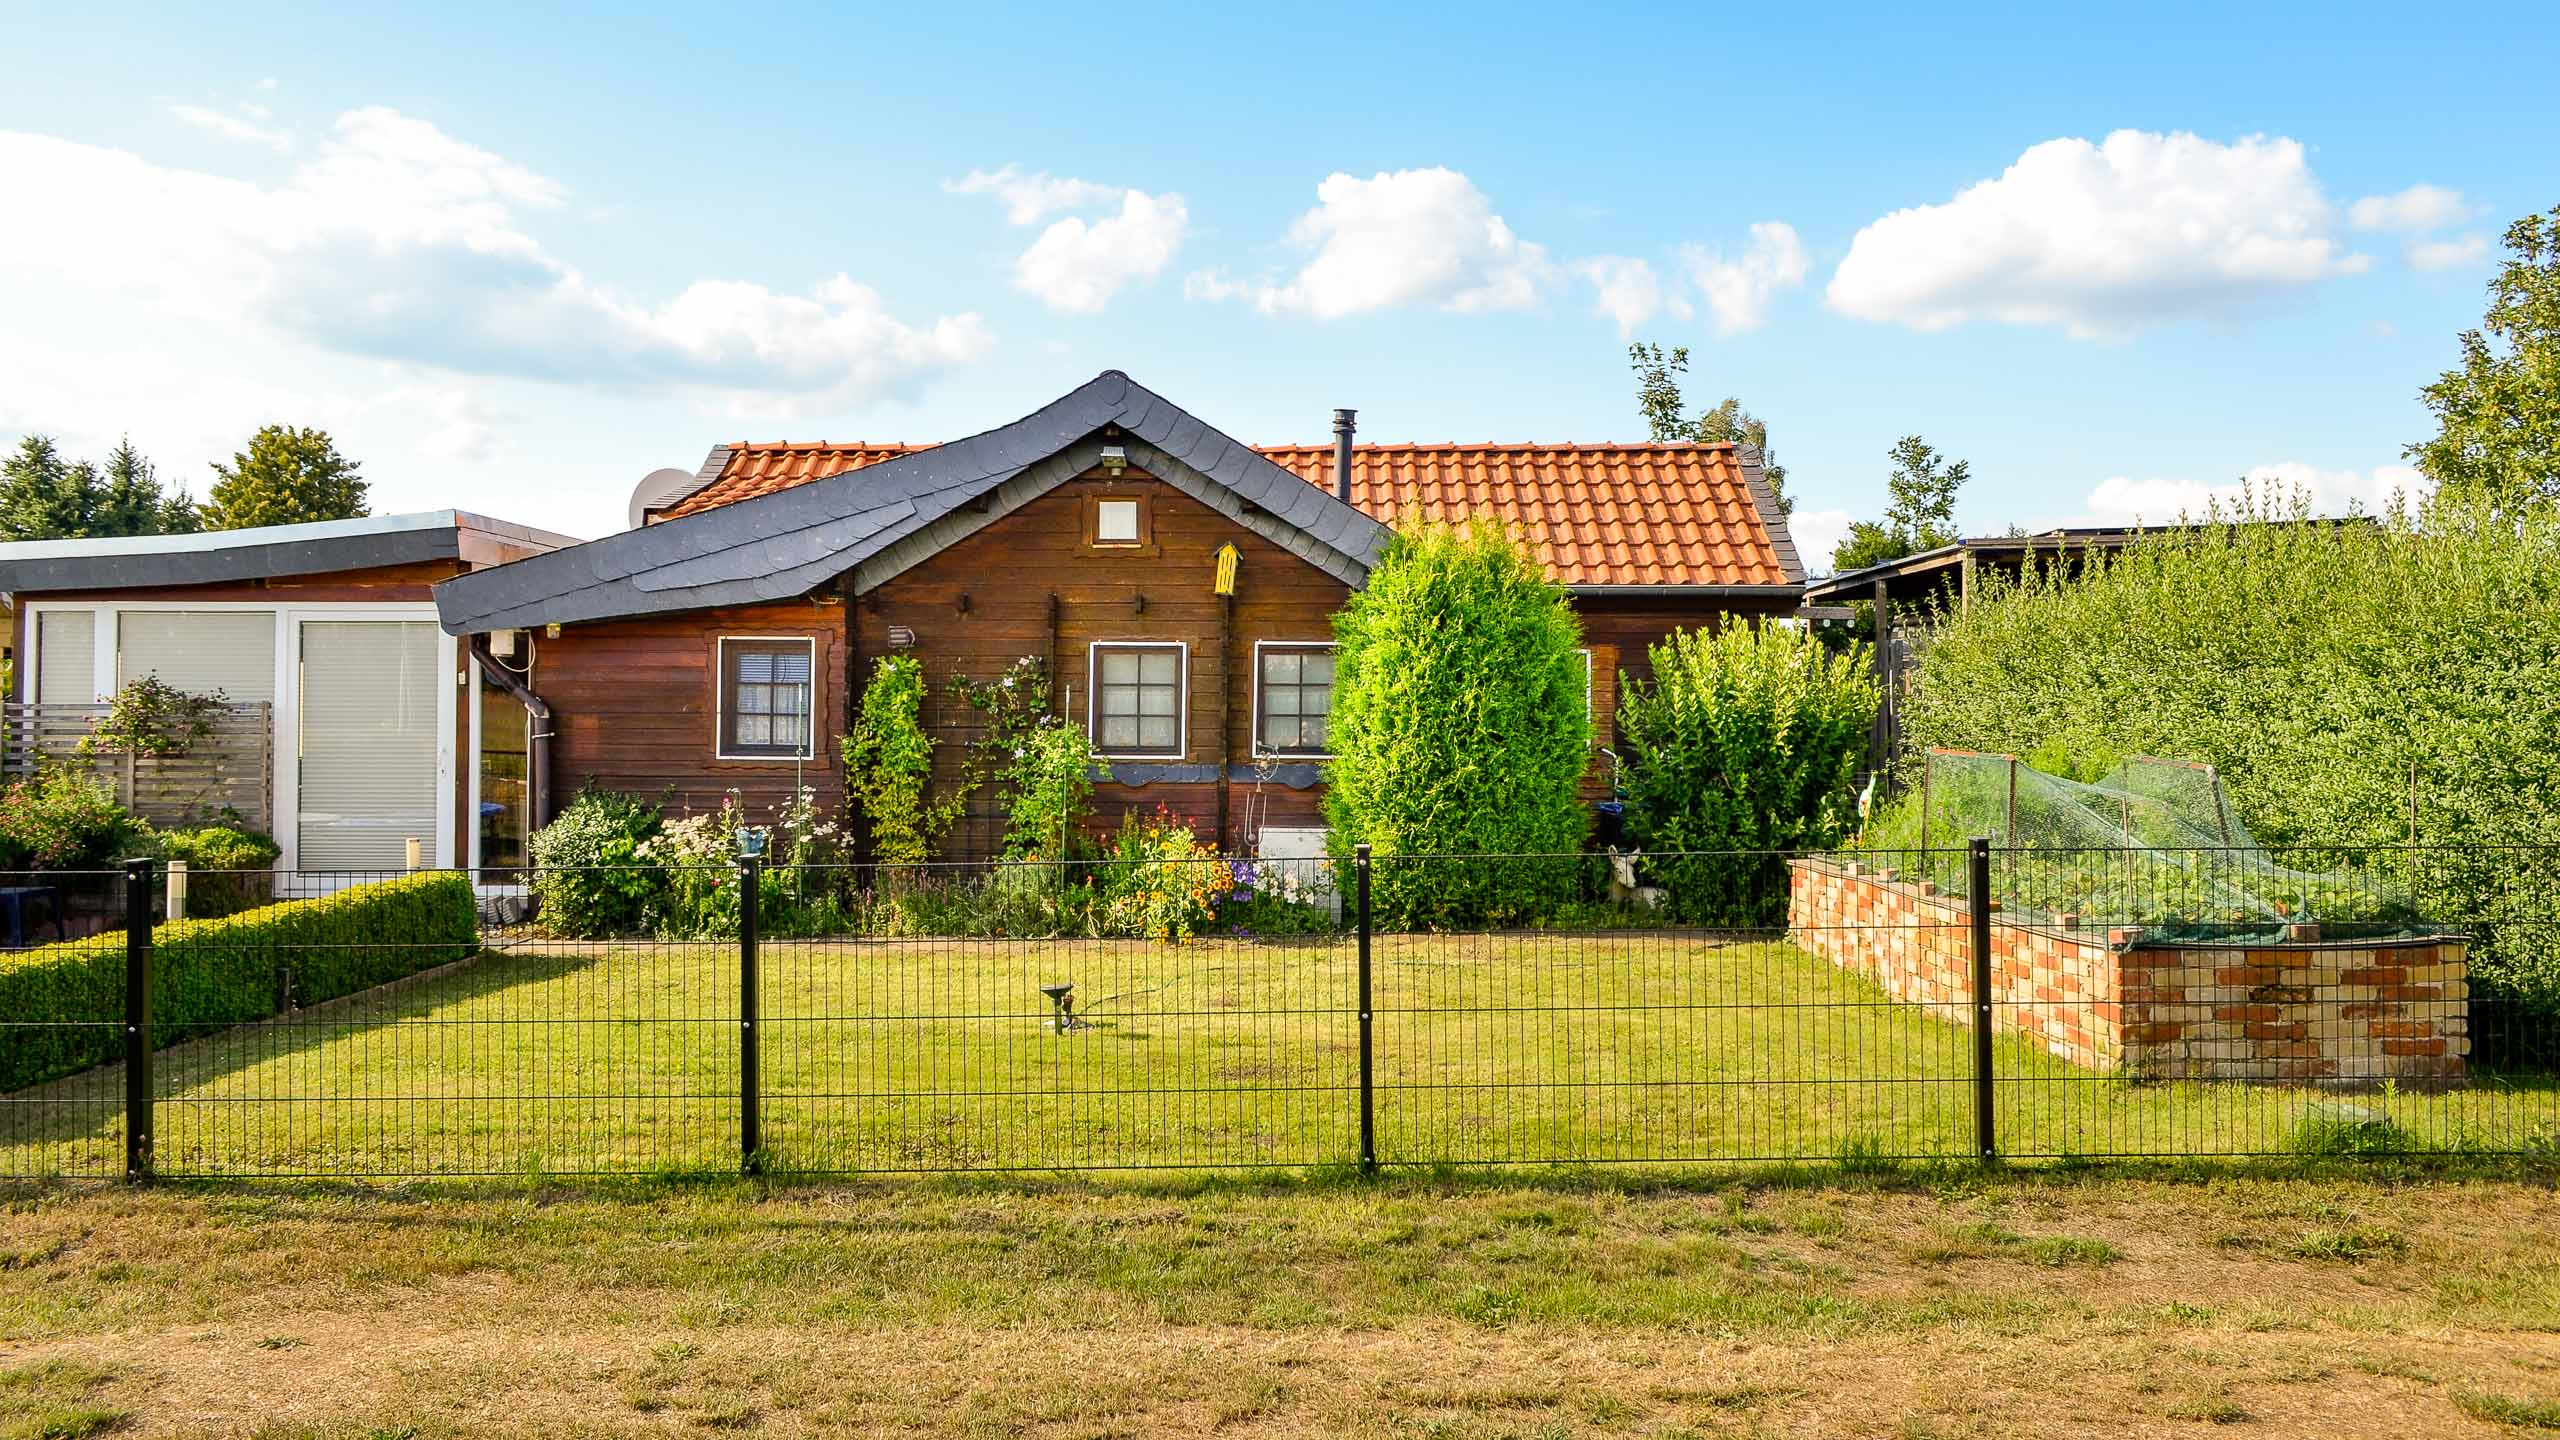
(200,651)
(369,690)
(66,658)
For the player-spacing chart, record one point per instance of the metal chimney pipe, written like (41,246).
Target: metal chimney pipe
(1343,427)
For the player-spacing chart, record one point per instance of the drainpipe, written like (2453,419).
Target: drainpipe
(1342,429)
(539,732)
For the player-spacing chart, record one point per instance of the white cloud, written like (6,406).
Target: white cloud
(1738,290)
(1077,265)
(1027,197)
(2413,211)
(2102,239)
(235,127)
(401,243)
(1404,237)
(2123,500)
(2447,254)
(1628,291)
(1817,534)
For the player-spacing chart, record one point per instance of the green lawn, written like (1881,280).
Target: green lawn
(938,1054)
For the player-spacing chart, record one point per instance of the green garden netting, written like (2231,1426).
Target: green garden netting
(2153,843)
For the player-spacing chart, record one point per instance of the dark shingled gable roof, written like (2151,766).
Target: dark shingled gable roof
(876,521)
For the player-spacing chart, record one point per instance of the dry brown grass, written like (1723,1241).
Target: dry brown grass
(1502,1307)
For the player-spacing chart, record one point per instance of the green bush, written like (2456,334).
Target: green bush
(228,869)
(1052,787)
(888,760)
(2351,682)
(1460,726)
(65,1002)
(590,876)
(62,820)
(1747,740)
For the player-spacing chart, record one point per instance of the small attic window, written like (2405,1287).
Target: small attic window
(1115,522)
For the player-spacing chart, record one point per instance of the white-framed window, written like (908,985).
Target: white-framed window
(1293,698)
(1138,698)
(768,697)
(1115,522)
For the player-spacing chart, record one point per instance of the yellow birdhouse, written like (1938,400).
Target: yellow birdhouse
(1227,558)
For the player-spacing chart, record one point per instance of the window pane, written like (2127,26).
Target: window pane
(1317,702)
(1159,667)
(755,730)
(1281,699)
(1279,732)
(1119,667)
(1280,667)
(786,730)
(1120,700)
(1155,700)
(1320,667)
(792,667)
(1116,522)
(752,700)
(1156,733)
(1311,732)
(753,667)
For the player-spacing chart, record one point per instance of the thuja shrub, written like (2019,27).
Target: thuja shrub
(1460,726)
(2354,683)
(1747,740)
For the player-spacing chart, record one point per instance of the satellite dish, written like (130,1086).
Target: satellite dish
(658,489)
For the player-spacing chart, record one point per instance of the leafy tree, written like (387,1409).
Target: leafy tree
(1658,397)
(1921,515)
(888,761)
(1459,728)
(44,496)
(286,477)
(1746,740)
(2499,414)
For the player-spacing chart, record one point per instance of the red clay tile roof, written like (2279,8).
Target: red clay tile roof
(1596,514)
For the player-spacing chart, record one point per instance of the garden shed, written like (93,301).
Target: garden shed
(352,725)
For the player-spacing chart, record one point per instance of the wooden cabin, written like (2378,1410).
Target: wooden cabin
(355,728)
(721,644)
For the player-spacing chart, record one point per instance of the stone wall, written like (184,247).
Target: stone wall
(2303,1011)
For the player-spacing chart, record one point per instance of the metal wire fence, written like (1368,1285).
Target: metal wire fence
(1207,1013)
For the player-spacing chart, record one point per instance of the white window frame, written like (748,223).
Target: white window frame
(1093,699)
(1255,718)
(720,702)
(1137,518)
(286,802)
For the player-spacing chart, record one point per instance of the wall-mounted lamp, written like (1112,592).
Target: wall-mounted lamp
(1115,458)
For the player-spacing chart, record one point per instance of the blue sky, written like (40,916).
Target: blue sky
(515,261)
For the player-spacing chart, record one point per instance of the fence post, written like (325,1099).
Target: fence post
(750,1082)
(1978,900)
(137,1020)
(1368,1067)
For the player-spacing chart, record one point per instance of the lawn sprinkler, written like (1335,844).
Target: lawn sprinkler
(1064,997)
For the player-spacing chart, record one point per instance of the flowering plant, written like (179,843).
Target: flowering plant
(1162,881)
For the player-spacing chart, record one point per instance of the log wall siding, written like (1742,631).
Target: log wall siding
(636,708)
(984,603)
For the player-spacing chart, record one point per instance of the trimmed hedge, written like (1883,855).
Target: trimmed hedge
(62,1005)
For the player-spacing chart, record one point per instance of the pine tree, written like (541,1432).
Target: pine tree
(287,476)
(42,495)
